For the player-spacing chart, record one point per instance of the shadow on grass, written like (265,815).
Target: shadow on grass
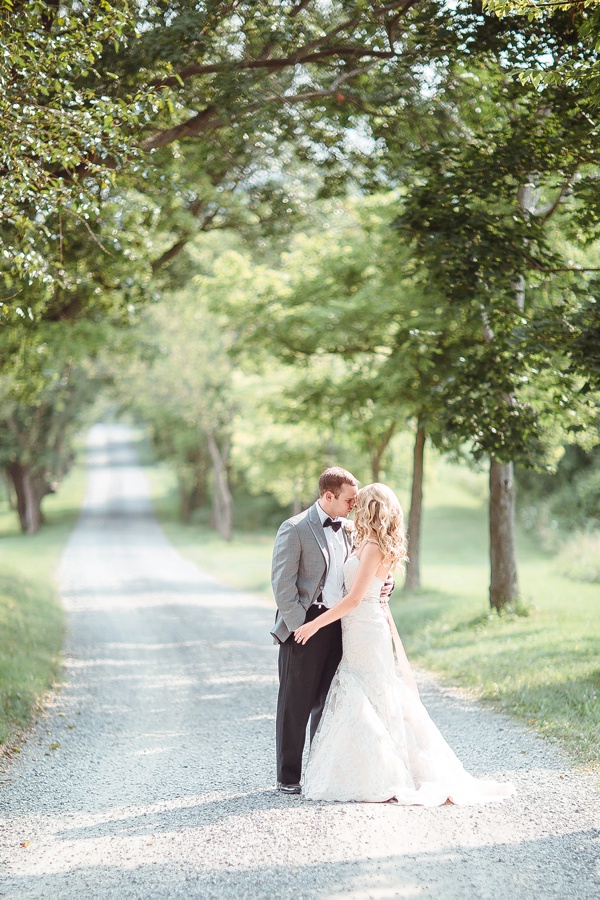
(510,613)
(566,709)
(414,611)
(577,694)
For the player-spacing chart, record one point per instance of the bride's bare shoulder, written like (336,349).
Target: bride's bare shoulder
(370,549)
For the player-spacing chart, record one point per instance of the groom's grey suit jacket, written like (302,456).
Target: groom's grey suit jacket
(300,563)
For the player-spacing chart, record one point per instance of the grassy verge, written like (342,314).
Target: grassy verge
(542,666)
(244,563)
(31,617)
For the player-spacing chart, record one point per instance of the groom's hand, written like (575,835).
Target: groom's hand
(387,589)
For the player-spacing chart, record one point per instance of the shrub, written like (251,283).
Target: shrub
(580,557)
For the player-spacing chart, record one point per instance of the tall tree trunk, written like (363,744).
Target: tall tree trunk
(221,493)
(185,505)
(192,491)
(215,513)
(30,490)
(504,581)
(375,466)
(198,492)
(504,584)
(14,472)
(35,490)
(11,496)
(377,450)
(413,570)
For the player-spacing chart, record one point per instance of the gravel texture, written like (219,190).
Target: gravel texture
(151,774)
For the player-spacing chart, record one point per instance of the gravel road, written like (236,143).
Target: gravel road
(152,773)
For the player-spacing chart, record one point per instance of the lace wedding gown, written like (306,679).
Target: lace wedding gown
(376,740)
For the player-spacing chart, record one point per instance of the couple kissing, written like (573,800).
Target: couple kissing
(342,666)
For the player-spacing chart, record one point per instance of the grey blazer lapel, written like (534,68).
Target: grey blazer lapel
(316,527)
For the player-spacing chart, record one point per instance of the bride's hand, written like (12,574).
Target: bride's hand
(305,632)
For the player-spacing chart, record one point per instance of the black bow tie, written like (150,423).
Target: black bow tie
(329,523)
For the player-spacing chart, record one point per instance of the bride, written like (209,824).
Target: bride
(376,741)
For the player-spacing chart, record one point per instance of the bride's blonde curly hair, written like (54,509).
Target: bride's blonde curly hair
(378,516)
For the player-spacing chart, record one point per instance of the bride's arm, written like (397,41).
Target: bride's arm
(370,560)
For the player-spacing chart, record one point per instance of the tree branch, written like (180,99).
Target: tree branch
(299,7)
(548,211)
(273,64)
(568,269)
(178,246)
(390,25)
(208,118)
(169,254)
(194,126)
(539,267)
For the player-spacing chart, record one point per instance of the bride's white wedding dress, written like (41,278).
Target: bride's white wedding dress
(376,740)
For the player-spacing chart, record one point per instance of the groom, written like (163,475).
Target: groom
(308,578)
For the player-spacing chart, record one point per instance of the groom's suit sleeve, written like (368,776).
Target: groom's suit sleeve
(284,575)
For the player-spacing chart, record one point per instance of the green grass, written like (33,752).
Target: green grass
(542,666)
(31,616)
(244,563)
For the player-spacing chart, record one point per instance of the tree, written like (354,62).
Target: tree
(182,387)
(92,88)
(262,58)
(68,125)
(482,234)
(584,69)
(277,453)
(51,344)
(368,337)
(371,94)
(37,426)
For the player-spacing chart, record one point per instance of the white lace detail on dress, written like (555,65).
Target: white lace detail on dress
(376,740)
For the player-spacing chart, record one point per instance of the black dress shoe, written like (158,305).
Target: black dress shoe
(289,788)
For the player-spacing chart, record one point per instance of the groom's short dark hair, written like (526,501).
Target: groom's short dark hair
(334,478)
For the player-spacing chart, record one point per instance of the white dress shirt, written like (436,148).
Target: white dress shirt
(333,588)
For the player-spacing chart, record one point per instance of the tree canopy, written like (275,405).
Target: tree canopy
(68,123)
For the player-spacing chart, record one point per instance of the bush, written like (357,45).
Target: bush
(569,501)
(580,557)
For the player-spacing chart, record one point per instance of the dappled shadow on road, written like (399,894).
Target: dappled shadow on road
(163,699)
(245,868)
